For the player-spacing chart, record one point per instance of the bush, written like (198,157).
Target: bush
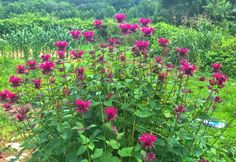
(115,102)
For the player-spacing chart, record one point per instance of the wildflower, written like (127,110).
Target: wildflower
(122,58)
(61,54)
(217,99)
(61,45)
(203,160)
(180,109)
(158,59)
(182,51)
(145,21)
(150,157)
(125,28)
(20,117)
(133,27)
(20,69)
(37,83)
(187,68)
(202,79)
(32,64)
(162,76)
(7,106)
(4,94)
(82,106)
(76,54)
(163,42)
(97,23)
(147,140)
(109,75)
(45,57)
(111,113)
(147,31)
(80,73)
(75,33)
(46,67)
(88,35)
(101,59)
(142,45)
(15,81)
(120,17)
(220,79)
(12,97)
(113,41)
(216,67)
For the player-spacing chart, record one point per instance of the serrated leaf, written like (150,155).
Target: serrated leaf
(98,153)
(81,150)
(126,152)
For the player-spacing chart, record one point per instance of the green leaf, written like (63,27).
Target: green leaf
(108,103)
(160,142)
(143,114)
(83,139)
(98,153)
(114,144)
(81,150)
(91,146)
(126,152)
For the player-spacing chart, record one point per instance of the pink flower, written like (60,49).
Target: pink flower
(7,106)
(180,109)
(217,99)
(187,68)
(150,157)
(134,27)
(113,41)
(147,140)
(12,97)
(220,79)
(82,106)
(97,23)
(46,67)
(203,160)
(75,33)
(88,35)
(158,59)
(20,69)
(120,17)
(162,76)
(163,42)
(182,51)
(37,83)
(147,31)
(32,64)
(142,45)
(125,28)
(45,57)
(20,117)
(15,81)
(122,58)
(61,54)
(80,73)
(111,113)
(216,67)
(61,45)
(4,94)
(145,21)
(76,54)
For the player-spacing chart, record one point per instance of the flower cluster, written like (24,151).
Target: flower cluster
(142,45)
(111,113)
(61,45)
(98,23)
(80,73)
(46,67)
(147,31)
(82,106)
(75,33)
(147,140)
(120,17)
(88,35)
(15,81)
(76,54)
(163,42)
(145,21)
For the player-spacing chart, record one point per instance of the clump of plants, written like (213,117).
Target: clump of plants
(118,100)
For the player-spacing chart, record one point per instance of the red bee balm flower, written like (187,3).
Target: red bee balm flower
(158,59)
(76,54)
(61,45)
(7,106)
(61,54)
(15,81)
(32,64)
(145,21)
(163,42)
(147,140)
(82,106)
(142,45)
(45,57)
(203,160)
(220,79)
(46,67)
(20,69)
(111,113)
(122,58)
(187,68)
(37,83)
(80,73)
(216,67)
(150,157)
(147,31)
(97,23)
(134,27)
(4,95)
(182,51)
(75,33)
(120,17)
(20,117)
(125,28)
(12,97)
(180,109)
(88,35)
